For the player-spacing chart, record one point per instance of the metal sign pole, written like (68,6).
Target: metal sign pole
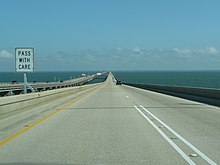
(25,83)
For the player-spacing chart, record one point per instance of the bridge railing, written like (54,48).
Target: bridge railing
(21,103)
(7,89)
(204,95)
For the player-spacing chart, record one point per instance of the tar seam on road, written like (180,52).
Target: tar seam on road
(47,117)
(208,160)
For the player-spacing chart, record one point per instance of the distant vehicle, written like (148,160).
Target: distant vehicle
(98,74)
(48,82)
(118,83)
(14,82)
(83,75)
(34,81)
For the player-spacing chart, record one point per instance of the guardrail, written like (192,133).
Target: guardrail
(8,105)
(15,89)
(204,95)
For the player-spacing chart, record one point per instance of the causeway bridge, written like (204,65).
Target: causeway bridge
(108,124)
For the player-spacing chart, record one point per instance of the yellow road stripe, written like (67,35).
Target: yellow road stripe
(43,119)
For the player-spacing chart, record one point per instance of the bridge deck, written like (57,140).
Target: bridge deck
(118,125)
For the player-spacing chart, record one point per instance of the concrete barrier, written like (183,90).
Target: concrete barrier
(204,95)
(17,102)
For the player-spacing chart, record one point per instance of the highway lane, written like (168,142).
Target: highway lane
(107,127)
(197,122)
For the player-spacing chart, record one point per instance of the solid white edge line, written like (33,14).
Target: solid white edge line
(182,139)
(167,138)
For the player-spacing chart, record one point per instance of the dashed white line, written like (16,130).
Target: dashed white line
(182,139)
(167,138)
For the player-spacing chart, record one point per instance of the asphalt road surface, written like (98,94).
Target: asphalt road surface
(117,124)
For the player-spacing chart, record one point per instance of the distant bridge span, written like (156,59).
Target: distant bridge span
(15,89)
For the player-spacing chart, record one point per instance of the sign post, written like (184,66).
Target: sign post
(24,62)
(25,83)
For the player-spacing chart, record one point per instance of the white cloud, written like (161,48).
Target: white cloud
(212,50)
(119,49)
(137,50)
(182,51)
(208,50)
(5,54)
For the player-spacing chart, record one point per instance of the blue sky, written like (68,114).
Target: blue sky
(112,34)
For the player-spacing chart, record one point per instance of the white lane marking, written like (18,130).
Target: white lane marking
(182,139)
(167,138)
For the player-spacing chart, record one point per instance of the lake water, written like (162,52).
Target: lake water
(207,79)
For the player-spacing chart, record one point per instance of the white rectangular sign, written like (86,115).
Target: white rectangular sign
(24,59)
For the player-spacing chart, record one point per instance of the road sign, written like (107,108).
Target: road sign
(24,59)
